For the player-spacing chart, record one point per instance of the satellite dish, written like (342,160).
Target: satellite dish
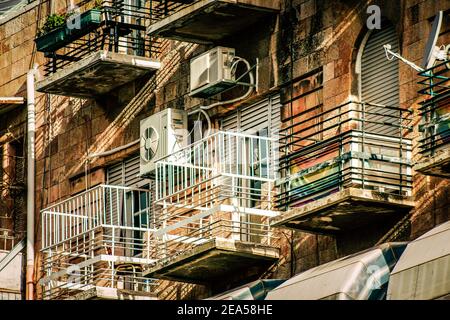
(431,51)
(149,143)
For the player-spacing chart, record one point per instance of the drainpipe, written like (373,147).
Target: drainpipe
(31,131)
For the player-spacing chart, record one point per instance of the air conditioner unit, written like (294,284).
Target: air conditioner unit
(161,135)
(211,72)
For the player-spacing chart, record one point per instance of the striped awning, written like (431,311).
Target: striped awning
(256,290)
(7,6)
(361,276)
(423,271)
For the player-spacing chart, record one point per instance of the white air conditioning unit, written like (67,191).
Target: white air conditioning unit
(211,72)
(161,135)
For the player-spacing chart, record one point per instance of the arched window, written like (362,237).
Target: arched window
(378,77)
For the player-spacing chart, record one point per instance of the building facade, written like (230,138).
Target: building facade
(315,145)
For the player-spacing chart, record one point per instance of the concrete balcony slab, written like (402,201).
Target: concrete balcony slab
(343,211)
(10,103)
(97,74)
(208,21)
(214,260)
(101,293)
(437,165)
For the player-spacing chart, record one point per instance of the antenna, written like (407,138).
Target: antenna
(387,49)
(432,52)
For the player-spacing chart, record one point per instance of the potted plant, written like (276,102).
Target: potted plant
(52,32)
(57,32)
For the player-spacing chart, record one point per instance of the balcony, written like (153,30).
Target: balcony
(10,103)
(435,125)
(98,50)
(344,168)
(214,201)
(207,21)
(92,245)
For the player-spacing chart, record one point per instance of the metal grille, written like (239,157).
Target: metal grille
(218,187)
(121,29)
(380,77)
(97,238)
(435,125)
(326,151)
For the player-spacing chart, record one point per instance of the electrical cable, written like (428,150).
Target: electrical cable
(246,95)
(387,49)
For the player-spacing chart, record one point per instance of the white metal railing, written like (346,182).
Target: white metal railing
(103,205)
(94,262)
(220,187)
(186,232)
(227,159)
(88,240)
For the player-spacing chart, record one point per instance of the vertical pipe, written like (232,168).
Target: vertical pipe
(31,131)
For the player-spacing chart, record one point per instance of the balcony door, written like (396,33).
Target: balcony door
(378,85)
(132,208)
(260,119)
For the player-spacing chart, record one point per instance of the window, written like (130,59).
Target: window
(136,209)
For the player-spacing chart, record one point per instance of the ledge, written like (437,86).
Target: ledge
(208,21)
(102,293)
(97,74)
(9,103)
(214,260)
(344,210)
(438,165)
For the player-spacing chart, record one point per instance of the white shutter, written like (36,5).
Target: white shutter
(253,118)
(131,172)
(124,173)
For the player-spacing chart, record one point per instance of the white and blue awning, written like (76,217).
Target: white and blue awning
(361,276)
(423,271)
(256,290)
(7,6)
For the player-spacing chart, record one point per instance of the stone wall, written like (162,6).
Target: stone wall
(309,35)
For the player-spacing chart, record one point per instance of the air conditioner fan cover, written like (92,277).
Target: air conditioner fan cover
(149,143)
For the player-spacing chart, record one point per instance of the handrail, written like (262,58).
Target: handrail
(212,135)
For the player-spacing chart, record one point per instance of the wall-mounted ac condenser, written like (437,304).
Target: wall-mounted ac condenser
(161,135)
(211,72)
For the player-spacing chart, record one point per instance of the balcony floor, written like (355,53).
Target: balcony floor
(343,211)
(438,165)
(10,103)
(208,21)
(101,293)
(214,260)
(97,74)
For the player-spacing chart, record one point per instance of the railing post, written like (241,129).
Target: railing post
(362,143)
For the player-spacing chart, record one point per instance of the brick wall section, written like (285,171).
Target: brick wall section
(432,201)
(322,34)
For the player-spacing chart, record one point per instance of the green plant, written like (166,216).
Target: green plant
(52,22)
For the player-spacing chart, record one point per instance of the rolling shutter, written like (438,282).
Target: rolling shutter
(253,118)
(379,76)
(380,80)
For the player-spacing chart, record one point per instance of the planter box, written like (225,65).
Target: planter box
(62,36)
(50,41)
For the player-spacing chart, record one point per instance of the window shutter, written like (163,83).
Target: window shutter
(253,118)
